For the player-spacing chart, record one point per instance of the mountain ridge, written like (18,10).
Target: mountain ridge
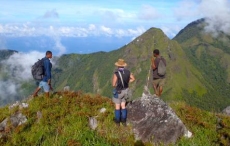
(137,54)
(187,78)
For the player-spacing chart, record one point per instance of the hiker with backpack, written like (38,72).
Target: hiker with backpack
(159,71)
(121,79)
(41,72)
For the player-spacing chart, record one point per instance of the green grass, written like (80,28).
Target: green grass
(65,122)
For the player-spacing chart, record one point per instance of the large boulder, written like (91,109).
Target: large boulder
(227,111)
(154,121)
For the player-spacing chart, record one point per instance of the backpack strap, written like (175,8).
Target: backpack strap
(121,79)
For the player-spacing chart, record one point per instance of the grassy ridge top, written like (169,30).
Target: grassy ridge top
(65,122)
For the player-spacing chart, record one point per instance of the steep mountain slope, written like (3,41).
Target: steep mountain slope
(198,67)
(211,56)
(93,72)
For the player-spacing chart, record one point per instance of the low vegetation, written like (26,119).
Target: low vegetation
(65,121)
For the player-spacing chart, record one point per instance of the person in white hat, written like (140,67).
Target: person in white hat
(121,79)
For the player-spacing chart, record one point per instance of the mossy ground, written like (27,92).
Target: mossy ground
(65,122)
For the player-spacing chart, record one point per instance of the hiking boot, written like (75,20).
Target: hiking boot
(116,122)
(123,122)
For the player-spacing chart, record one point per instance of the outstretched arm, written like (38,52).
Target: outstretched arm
(132,78)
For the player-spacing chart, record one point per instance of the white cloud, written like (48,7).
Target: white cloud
(120,32)
(19,64)
(18,69)
(136,32)
(1,29)
(8,89)
(115,15)
(92,27)
(107,30)
(171,31)
(148,12)
(28,30)
(59,47)
(217,13)
(186,9)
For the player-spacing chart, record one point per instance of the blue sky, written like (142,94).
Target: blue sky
(102,18)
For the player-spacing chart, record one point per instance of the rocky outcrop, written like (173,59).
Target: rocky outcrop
(14,120)
(154,121)
(227,111)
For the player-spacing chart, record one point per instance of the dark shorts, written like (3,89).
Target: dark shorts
(159,82)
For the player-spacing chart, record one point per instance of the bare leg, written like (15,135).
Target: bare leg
(36,92)
(160,90)
(123,105)
(47,94)
(117,106)
(155,89)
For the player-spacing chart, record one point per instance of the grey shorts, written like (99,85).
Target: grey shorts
(122,97)
(45,86)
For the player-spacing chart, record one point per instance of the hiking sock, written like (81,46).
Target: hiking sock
(124,114)
(117,115)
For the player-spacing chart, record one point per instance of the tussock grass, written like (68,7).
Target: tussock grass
(65,122)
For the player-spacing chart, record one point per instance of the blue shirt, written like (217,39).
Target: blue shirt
(47,70)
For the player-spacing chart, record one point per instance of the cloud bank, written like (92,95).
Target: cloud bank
(28,30)
(15,71)
(215,12)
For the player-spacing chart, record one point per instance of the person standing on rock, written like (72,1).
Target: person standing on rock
(159,71)
(121,79)
(45,83)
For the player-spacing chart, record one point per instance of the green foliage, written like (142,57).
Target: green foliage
(65,122)
(203,125)
(211,57)
(65,116)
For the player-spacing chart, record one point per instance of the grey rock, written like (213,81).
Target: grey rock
(66,88)
(3,125)
(39,116)
(154,121)
(18,104)
(102,110)
(18,119)
(227,111)
(23,105)
(93,123)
